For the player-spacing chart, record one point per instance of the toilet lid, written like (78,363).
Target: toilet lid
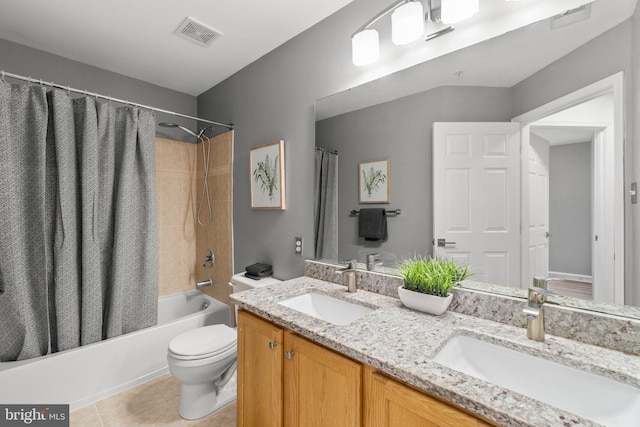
(204,342)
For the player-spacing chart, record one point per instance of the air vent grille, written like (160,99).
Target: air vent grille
(197,32)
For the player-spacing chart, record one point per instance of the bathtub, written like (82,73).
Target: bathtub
(86,374)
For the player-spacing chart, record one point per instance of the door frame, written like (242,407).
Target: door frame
(611,85)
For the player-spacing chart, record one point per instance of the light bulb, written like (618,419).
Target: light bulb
(454,11)
(407,23)
(365,47)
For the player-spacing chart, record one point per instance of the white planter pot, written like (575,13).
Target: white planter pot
(431,304)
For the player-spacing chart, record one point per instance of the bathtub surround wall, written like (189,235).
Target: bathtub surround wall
(78,221)
(217,236)
(176,189)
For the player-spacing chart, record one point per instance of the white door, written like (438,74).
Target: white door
(538,174)
(476,189)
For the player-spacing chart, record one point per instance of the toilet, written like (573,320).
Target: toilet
(204,360)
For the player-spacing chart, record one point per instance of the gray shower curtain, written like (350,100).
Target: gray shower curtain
(326,205)
(78,221)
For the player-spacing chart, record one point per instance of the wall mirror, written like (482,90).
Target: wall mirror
(566,82)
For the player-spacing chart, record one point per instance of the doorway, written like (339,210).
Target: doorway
(592,114)
(463,151)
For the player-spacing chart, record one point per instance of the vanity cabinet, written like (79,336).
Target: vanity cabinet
(322,388)
(260,373)
(284,379)
(389,403)
(287,380)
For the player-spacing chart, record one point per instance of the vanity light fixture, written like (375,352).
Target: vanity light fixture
(408,23)
(454,11)
(365,47)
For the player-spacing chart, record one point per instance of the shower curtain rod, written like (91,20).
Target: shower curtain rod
(108,98)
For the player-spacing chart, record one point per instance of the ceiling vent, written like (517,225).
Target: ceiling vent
(193,30)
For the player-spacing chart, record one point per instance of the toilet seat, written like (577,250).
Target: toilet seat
(205,342)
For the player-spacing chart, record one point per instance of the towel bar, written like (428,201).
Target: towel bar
(388,212)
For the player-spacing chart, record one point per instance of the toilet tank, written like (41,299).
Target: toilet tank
(241,283)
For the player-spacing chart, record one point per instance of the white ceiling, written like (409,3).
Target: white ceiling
(135,37)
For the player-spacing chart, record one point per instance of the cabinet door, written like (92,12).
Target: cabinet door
(389,403)
(260,348)
(322,388)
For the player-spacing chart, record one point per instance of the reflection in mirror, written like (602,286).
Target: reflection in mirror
(507,78)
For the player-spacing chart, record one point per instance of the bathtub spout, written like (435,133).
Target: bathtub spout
(200,285)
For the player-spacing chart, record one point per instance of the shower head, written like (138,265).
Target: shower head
(189,131)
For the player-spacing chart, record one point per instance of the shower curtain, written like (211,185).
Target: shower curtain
(326,205)
(78,221)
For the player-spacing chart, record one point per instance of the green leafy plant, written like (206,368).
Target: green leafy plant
(373,180)
(433,276)
(267,175)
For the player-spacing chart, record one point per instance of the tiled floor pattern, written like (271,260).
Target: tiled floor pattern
(154,403)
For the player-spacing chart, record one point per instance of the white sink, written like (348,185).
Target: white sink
(590,396)
(329,309)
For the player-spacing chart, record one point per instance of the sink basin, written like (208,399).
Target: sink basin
(329,309)
(582,393)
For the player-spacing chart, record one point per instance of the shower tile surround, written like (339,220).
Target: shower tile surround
(217,236)
(402,342)
(175,186)
(183,242)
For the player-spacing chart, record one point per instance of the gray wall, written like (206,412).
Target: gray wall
(19,59)
(570,188)
(273,99)
(402,131)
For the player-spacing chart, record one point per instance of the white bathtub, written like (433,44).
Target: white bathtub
(86,374)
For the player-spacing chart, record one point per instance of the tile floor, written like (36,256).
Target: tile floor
(154,403)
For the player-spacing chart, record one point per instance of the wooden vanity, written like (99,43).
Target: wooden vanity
(287,380)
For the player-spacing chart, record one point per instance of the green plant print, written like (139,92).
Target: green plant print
(267,175)
(372,181)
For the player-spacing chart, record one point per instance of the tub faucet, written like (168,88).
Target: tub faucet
(200,285)
(537,297)
(350,273)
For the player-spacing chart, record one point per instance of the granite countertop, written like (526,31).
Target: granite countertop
(402,343)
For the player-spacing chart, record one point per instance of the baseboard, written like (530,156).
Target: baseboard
(571,276)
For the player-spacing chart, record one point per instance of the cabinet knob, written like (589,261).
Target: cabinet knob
(272,345)
(289,354)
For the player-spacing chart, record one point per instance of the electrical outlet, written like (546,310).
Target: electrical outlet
(298,245)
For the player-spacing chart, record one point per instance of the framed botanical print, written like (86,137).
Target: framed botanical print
(373,181)
(267,176)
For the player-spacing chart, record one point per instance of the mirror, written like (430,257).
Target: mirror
(493,81)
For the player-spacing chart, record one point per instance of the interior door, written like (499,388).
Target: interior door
(476,209)
(539,234)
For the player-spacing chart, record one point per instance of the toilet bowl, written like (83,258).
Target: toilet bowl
(204,360)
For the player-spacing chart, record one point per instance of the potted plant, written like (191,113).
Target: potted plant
(427,282)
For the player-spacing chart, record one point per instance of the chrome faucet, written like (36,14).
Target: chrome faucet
(200,285)
(537,297)
(350,273)
(372,262)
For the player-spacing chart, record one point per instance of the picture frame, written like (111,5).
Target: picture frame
(374,185)
(266,169)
